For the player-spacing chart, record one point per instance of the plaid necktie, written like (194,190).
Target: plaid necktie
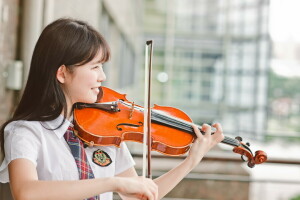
(78,152)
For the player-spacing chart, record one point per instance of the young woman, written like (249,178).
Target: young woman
(39,160)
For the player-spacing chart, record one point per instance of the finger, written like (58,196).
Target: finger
(145,198)
(218,127)
(197,131)
(153,188)
(146,195)
(149,189)
(207,129)
(219,131)
(155,191)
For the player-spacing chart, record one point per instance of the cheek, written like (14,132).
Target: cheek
(86,79)
(91,76)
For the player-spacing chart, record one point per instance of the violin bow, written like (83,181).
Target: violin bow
(147,143)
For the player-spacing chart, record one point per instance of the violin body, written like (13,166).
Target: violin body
(113,119)
(106,128)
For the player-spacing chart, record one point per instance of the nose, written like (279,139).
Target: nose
(101,75)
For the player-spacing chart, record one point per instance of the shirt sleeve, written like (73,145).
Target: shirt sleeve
(124,159)
(21,141)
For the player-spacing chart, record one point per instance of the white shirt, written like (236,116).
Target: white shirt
(51,155)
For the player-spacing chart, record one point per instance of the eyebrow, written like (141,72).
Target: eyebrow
(97,62)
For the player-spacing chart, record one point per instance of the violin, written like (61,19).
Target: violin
(113,119)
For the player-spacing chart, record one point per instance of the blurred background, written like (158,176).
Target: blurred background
(236,62)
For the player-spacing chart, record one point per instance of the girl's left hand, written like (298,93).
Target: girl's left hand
(203,143)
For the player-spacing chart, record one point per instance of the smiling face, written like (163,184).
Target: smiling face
(81,84)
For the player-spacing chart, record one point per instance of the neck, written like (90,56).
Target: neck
(69,111)
(69,106)
(182,125)
(174,122)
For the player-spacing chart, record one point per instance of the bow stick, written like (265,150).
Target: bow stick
(147,113)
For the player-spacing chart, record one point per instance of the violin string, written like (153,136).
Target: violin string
(189,127)
(227,140)
(179,124)
(186,126)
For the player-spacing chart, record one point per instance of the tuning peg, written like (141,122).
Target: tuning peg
(239,138)
(248,144)
(250,164)
(243,158)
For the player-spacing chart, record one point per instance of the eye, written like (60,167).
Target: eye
(97,67)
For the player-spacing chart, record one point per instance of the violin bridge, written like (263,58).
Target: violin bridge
(131,110)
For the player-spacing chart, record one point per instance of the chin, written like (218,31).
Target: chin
(90,100)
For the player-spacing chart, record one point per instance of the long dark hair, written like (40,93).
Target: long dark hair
(66,42)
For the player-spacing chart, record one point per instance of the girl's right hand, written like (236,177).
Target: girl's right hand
(137,188)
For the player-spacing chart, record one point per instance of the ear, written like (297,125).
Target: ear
(61,74)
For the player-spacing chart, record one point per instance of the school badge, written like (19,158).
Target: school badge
(101,158)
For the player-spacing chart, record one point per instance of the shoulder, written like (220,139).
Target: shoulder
(19,134)
(22,123)
(22,127)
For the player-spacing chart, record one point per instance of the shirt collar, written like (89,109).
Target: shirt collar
(53,124)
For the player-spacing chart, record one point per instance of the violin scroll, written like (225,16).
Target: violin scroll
(260,156)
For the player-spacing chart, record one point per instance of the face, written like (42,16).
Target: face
(81,85)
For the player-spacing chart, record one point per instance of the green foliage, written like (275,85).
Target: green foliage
(280,86)
(288,139)
(284,87)
(296,198)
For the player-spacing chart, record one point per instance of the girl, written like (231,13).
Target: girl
(39,144)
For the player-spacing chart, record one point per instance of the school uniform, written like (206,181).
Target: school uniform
(49,152)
